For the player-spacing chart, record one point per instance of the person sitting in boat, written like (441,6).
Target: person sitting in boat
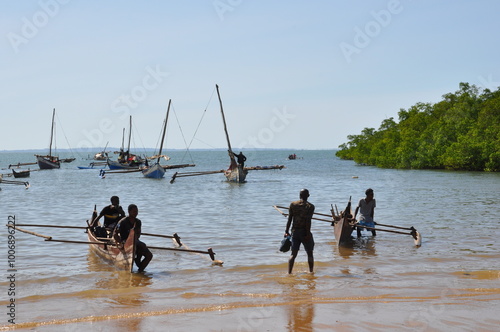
(241,159)
(141,249)
(112,214)
(366,207)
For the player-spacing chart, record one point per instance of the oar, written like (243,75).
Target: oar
(208,252)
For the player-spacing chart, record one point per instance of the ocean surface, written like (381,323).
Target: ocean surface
(451,282)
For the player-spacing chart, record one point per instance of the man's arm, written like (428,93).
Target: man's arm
(289,222)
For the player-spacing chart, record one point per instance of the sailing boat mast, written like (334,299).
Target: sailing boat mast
(231,154)
(164,130)
(52,132)
(129,135)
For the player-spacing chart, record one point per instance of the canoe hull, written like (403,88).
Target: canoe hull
(121,257)
(21,174)
(236,174)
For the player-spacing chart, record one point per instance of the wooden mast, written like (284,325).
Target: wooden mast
(129,135)
(230,150)
(164,131)
(52,132)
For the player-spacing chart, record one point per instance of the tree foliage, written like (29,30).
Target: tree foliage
(461,132)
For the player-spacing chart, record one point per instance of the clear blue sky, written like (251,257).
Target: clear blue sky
(292,74)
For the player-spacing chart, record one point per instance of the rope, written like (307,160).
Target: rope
(66,138)
(203,115)
(183,137)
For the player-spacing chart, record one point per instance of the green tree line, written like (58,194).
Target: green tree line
(461,132)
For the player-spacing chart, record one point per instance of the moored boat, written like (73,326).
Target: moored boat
(235,172)
(157,171)
(49,161)
(21,174)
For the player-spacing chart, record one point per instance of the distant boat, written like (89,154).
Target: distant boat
(157,171)
(49,161)
(21,174)
(103,155)
(126,160)
(235,171)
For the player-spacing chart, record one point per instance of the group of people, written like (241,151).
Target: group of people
(118,225)
(299,223)
(299,219)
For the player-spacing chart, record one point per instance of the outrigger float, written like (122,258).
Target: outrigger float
(344,224)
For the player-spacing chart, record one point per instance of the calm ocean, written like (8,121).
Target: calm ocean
(451,282)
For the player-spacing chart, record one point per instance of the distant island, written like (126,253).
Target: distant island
(461,132)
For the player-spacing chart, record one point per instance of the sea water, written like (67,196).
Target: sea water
(377,283)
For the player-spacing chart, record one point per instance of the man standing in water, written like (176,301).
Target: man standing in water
(366,207)
(141,250)
(299,217)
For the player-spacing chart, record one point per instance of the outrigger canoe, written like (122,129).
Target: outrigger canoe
(344,224)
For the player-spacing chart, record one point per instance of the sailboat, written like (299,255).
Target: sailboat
(49,161)
(235,171)
(126,160)
(157,171)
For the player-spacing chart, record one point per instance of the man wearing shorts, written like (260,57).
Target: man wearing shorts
(299,217)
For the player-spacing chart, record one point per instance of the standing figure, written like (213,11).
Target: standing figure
(300,215)
(141,249)
(366,207)
(241,159)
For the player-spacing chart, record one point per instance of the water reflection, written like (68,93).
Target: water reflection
(363,246)
(300,296)
(122,287)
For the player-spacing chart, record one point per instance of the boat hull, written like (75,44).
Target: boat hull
(342,230)
(236,174)
(122,257)
(21,174)
(45,163)
(154,172)
(117,165)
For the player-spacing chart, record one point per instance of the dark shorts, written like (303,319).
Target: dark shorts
(141,249)
(298,237)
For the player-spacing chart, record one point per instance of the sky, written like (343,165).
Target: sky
(292,74)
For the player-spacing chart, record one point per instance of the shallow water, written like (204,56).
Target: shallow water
(451,282)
